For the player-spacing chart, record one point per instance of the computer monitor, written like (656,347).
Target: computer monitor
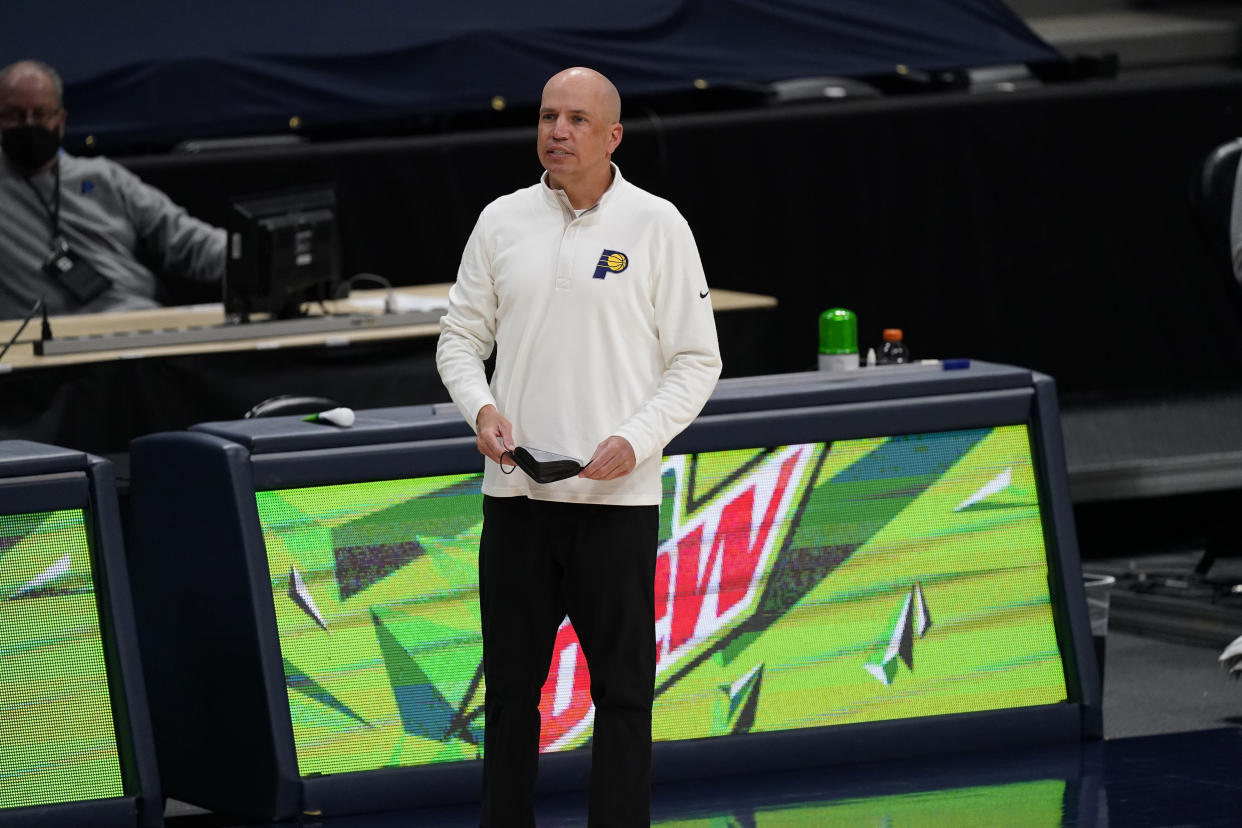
(283,251)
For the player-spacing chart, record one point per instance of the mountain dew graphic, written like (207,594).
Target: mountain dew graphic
(710,572)
(58,733)
(300,595)
(792,583)
(736,712)
(913,620)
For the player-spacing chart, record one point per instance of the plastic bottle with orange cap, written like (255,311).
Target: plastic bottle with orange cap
(893,351)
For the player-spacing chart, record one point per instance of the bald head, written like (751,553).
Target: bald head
(31,77)
(590,85)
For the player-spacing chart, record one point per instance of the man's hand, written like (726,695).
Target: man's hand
(495,434)
(613,458)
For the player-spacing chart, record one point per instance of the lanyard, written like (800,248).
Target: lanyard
(53,209)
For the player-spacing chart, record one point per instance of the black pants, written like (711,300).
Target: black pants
(539,561)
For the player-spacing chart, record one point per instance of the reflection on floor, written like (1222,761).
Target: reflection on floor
(1171,779)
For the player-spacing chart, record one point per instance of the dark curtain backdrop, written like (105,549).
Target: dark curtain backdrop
(200,68)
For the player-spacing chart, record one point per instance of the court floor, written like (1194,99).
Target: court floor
(1186,779)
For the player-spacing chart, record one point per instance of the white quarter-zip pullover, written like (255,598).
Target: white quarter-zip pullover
(602,325)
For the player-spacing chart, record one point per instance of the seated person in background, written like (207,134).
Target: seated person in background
(83,233)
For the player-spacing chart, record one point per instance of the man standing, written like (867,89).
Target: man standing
(592,293)
(83,234)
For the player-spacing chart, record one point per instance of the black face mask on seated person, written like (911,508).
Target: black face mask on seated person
(30,146)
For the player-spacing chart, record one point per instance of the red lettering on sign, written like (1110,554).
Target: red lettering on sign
(688,595)
(568,674)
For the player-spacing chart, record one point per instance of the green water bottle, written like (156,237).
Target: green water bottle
(838,340)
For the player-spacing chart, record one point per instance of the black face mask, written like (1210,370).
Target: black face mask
(30,146)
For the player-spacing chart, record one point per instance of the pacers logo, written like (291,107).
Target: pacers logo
(610,261)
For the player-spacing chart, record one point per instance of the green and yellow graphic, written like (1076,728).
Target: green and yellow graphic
(796,586)
(57,734)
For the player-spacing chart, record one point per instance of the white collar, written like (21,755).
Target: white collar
(561,200)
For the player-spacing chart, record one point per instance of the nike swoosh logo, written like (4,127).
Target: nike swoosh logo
(703,295)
